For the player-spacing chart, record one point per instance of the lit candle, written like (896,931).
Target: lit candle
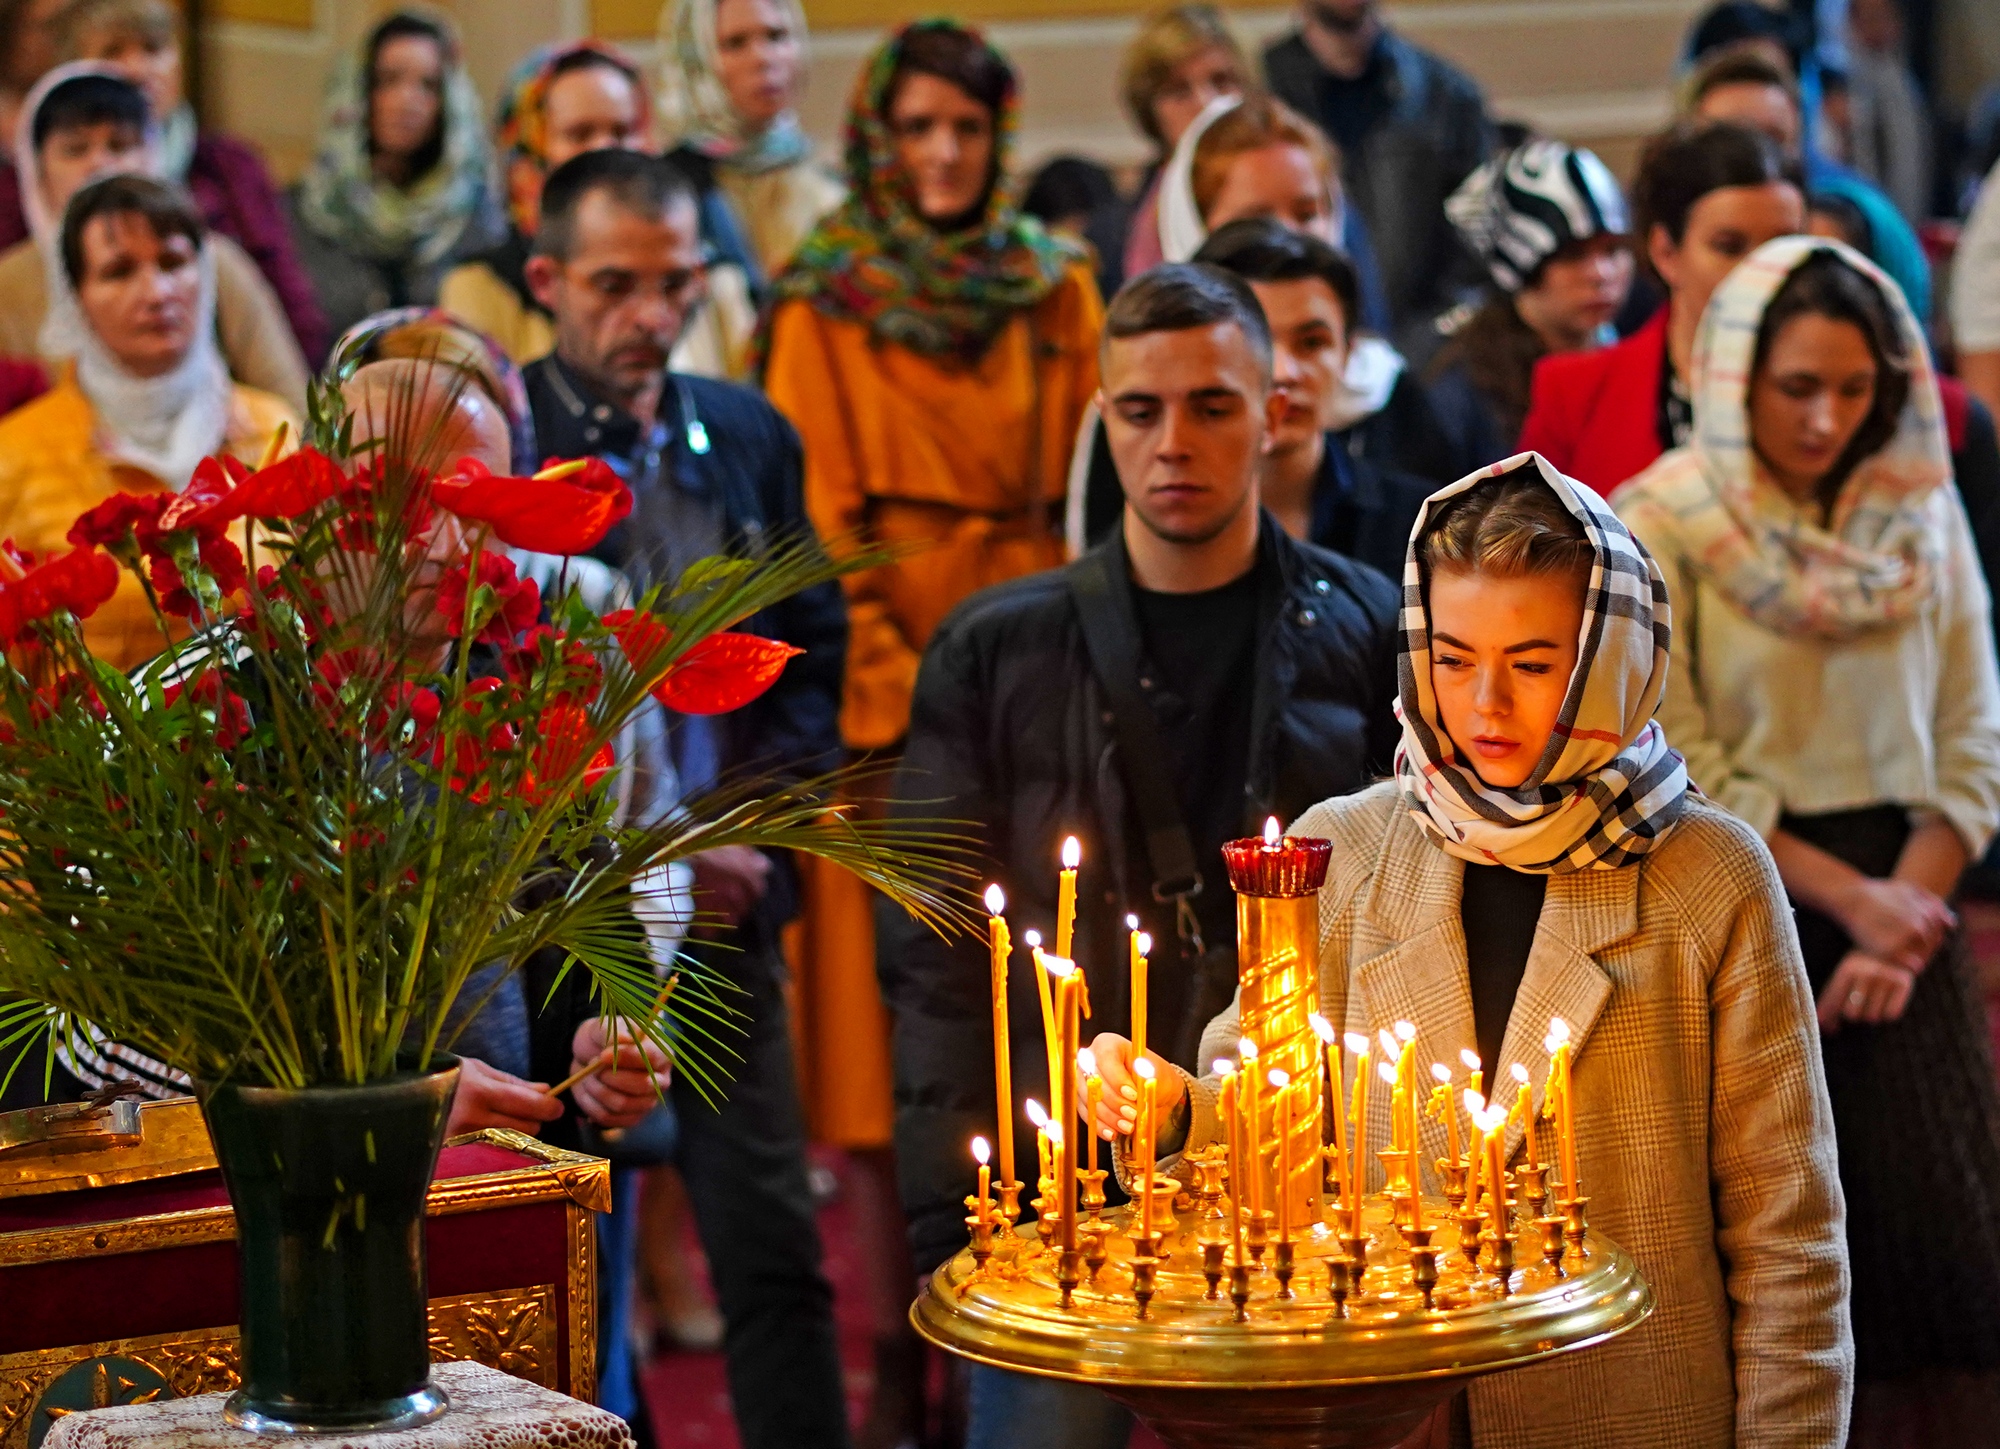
(1442,1103)
(982,1154)
(1064,1114)
(1281,1083)
(1475,1149)
(1406,1078)
(1273,837)
(1226,1070)
(1331,1085)
(1093,1093)
(1149,1093)
(1034,944)
(1072,856)
(1357,1163)
(1141,944)
(1246,1052)
(1003,1054)
(1040,1121)
(1524,1103)
(1566,1107)
(1494,1123)
(1478,1083)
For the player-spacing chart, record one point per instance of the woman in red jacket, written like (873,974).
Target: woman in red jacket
(1705,198)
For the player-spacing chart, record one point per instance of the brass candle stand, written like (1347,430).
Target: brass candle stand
(1212,1353)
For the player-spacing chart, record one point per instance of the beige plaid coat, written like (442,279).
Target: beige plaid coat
(1704,1138)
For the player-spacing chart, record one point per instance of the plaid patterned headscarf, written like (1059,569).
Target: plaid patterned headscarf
(520,124)
(1608,788)
(1876,561)
(875,260)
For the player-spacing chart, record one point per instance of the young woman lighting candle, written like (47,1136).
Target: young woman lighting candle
(1538,805)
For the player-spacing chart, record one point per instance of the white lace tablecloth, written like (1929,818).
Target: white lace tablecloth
(489,1410)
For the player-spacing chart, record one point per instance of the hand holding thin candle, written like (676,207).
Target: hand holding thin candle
(1118,1111)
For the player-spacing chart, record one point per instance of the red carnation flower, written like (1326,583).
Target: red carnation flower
(124,523)
(210,695)
(221,560)
(562,734)
(570,672)
(518,601)
(565,508)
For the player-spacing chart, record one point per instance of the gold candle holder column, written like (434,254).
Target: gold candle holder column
(1277,881)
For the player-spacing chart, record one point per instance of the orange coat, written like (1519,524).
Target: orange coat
(53,469)
(968,463)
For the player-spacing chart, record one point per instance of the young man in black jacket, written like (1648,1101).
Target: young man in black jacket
(1193,674)
(713,469)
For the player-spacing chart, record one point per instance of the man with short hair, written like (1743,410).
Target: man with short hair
(1410,128)
(1193,674)
(713,470)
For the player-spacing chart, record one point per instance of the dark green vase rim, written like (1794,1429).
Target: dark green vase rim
(442,1064)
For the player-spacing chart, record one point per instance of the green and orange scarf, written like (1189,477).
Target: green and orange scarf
(875,260)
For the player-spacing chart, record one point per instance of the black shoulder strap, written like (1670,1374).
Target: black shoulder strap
(1111,635)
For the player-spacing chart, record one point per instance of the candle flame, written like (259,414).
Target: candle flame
(1145,943)
(1388,1072)
(1271,835)
(1246,1049)
(1131,923)
(1442,1073)
(1086,1061)
(1058,966)
(1558,1028)
(1549,1043)
(1072,855)
(1390,1046)
(1405,1031)
(1470,1058)
(1054,1129)
(1492,1119)
(1519,1073)
(996,900)
(1144,1069)
(1357,1043)
(981,1151)
(1032,939)
(1474,1105)
(1322,1028)
(1036,1115)
(1279,1079)
(1224,1067)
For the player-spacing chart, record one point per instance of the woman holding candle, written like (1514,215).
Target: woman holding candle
(1841,698)
(1535,640)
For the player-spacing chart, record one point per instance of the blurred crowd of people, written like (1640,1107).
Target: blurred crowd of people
(911,345)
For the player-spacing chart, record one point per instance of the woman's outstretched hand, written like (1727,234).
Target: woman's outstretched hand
(1118,1109)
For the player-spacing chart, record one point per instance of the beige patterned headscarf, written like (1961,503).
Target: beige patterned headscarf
(694,109)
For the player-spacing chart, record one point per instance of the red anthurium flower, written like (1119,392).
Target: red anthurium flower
(517,600)
(124,523)
(289,487)
(204,504)
(723,672)
(78,581)
(565,508)
(642,636)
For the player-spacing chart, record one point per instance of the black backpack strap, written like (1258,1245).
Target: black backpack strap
(1111,636)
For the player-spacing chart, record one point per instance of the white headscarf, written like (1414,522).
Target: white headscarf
(1372,364)
(62,325)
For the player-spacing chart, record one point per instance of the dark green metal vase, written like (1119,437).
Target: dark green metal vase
(328,1184)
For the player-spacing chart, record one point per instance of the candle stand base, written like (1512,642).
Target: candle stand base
(1319,1370)
(1281,1266)
(1211,1269)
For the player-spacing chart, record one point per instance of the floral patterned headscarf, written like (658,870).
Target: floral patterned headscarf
(521,123)
(1875,561)
(876,260)
(340,198)
(695,109)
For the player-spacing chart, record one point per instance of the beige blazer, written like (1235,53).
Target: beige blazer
(1704,1138)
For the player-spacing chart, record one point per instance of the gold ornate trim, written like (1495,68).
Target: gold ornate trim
(512,1329)
(557,1174)
(582,1258)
